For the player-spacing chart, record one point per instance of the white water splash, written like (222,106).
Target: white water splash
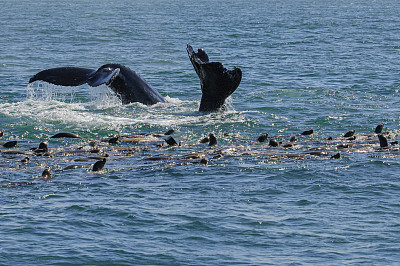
(88,108)
(98,108)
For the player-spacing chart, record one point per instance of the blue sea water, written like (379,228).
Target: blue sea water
(330,66)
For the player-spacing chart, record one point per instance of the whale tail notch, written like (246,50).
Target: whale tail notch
(217,83)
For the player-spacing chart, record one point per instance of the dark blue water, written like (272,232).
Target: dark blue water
(330,66)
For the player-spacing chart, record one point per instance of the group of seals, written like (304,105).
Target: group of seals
(217,83)
(150,148)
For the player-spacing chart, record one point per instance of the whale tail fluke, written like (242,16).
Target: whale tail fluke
(75,76)
(217,83)
(64,76)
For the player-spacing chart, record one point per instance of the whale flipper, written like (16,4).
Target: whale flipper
(217,83)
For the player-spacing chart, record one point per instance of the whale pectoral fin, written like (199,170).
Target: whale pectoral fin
(102,76)
(64,76)
(217,83)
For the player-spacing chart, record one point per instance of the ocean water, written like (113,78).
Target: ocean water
(330,66)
